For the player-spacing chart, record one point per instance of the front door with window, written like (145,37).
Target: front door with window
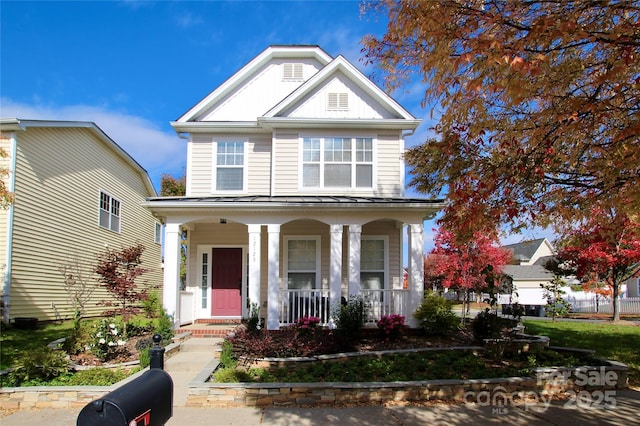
(226,282)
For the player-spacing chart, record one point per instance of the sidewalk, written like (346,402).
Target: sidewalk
(196,353)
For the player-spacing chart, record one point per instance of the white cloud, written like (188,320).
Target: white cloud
(157,150)
(188,20)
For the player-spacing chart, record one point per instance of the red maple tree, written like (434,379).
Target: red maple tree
(471,266)
(603,249)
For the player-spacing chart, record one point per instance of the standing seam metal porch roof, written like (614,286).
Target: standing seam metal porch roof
(296,200)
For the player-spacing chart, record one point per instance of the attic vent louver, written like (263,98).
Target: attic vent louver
(338,100)
(292,71)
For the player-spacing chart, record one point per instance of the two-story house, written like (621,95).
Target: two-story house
(76,194)
(294,199)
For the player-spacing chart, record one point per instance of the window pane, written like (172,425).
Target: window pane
(372,255)
(372,280)
(230,154)
(311,149)
(301,280)
(104,218)
(337,150)
(337,175)
(229,179)
(364,150)
(301,255)
(115,223)
(311,175)
(364,176)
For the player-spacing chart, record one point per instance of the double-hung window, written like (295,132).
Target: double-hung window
(109,212)
(302,262)
(229,166)
(373,262)
(337,162)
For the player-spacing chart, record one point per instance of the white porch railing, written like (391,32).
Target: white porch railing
(186,307)
(295,304)
(629,305)
(385,302)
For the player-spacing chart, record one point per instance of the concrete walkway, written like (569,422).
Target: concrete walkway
(621,408)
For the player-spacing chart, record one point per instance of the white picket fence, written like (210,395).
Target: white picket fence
(629,305)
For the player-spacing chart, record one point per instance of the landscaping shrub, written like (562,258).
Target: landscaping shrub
(97,377)
(349,319)
(165,328)
(138,327)
(106,340)
(79,340)
(253,322)
(391,326)
(227,358)
(488,325)
(41,364)
(436,316)
(151,304)
(307,326)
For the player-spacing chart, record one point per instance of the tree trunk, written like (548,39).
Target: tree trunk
(616,303)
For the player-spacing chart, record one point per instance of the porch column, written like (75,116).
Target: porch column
(171,283)
(335,274)
(416,270)
(254,265)
(273,296)
(355,240)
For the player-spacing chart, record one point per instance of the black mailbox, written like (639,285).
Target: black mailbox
(145,401)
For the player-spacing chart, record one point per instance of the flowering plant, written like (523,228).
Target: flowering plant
(391,326)
(307,325)
(106,340)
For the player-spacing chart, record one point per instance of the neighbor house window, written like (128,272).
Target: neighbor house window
(373,263)
(158,233)
(229,166)
(330,162)
(109,212)
(302,262)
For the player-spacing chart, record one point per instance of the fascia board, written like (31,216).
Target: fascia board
(216,126)
(374,123)
(350,71)
(264,57)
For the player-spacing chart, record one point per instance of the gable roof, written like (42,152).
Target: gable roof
(527,273)
(273,117)
(16,124)
(526,249)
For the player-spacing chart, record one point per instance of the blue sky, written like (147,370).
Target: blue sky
(133,66)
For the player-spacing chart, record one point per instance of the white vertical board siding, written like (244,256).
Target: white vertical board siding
(389,165)
(59,175)
(360,104)
(260,92)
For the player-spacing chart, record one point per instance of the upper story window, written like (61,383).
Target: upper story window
(109,212)
(157,237)
(229,165)
(337,101)
(337,162)
(291,71)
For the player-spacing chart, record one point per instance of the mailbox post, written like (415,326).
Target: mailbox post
(145,401)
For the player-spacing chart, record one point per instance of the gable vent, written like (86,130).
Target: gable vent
(292,71)
(338,100)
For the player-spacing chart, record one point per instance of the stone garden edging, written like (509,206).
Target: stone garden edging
(546,382)
(28,397)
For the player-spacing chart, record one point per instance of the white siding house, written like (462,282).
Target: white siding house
(295,195)
(76,194)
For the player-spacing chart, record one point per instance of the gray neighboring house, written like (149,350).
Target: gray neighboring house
(527,273)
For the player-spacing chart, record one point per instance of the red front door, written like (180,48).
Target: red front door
(226,282)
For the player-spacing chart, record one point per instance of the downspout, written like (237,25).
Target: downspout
(9,247)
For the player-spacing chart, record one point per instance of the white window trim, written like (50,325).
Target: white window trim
(315,238)
(205,313)
(352,187)
(214,166)
(111,198)
(385,239)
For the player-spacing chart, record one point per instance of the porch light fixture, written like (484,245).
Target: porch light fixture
(223,221)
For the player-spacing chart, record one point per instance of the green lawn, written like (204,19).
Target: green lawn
(13,342)
(617,342)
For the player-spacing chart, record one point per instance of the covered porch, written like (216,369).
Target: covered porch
(295,256)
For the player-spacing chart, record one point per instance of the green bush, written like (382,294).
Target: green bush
(40,364)
(435,315)
(97,377)
(227,357)
(152,305)
(350,317)
(165,328)
(79,340)
(488,325)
